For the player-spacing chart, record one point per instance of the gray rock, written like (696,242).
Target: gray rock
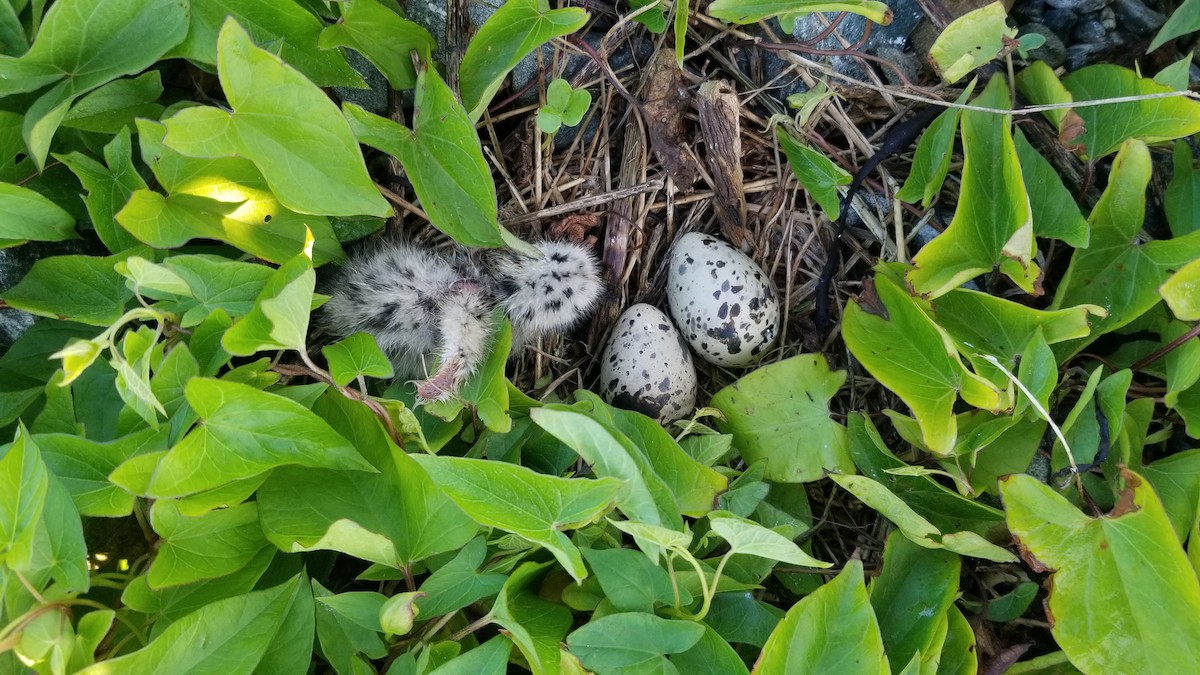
(1061,21)
(374,99)
(1029,12)
(15,263)
(1079,6)
(1053,52)
(908,64)
(1137,18)
(1090,32)
(906,14)
(1108,18)
(1077,55)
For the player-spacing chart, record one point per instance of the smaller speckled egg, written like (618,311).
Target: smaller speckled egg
(646,366)
(724,304)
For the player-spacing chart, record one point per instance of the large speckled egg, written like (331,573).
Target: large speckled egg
(646,366)
(723,303)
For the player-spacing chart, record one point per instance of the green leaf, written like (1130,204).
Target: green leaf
(394,517)
(25,214)
(342,640)
(780,414)
(631,640)
(114,106)
(1176,481)
(750,538)
(1185,19)
(89,42)
(915,527)
(1055,214)
(109,187)
(970,41)
(911,597)
(291,29)
(549,121)
(1181,199)
(383,36)
(958,652)
(486,389)
(356,355)
(655,20)
(1115,272)
(230,635)
(212,545)
(490,658)
(931,161)
(245,433)
(360,607)
(225,198)
(1107,126)
(514,31)
(1182,292)
(644,496)
(711,655)
(993,224)
(694,485)
(630,581)
(581,100)
(536,626)
(915,358)
(311,161)
(84,465)
(983,324)
(25,481)
(830,630)
(558,95)
(1041,86)
(530,505)
(280,316)
(1120,611)
(752,11)
(72,287)
(816,172)
(458,583)
(443,158)
(213,283)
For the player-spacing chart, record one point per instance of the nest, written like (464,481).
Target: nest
(664,151)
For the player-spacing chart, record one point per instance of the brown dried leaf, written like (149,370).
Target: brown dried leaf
(665,102)
(720,126)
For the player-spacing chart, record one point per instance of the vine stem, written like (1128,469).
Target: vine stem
(1166,349)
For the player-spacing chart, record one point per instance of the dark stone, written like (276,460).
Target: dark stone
(1061,21)
(1137,18)
(908,64)
(1079,6)
(906,14)
(1090,32)
(1053,52)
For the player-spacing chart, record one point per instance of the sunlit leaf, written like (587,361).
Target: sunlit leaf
(816,173)
(535,625)
(311,161)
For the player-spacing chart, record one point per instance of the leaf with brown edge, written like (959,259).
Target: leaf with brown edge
(1121,582)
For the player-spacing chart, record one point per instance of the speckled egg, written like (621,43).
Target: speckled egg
(724,304)
(646,366)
